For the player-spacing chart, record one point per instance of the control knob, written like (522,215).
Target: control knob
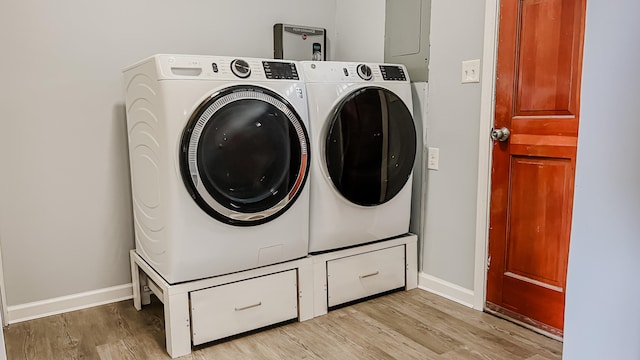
(240,68)
(364,71)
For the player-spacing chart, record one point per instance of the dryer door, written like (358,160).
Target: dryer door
(370,146)
(244,155)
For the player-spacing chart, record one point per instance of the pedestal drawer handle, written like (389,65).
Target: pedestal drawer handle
(249,306)
(369,275)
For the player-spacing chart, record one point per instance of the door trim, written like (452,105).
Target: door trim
(4,321)
(487,102)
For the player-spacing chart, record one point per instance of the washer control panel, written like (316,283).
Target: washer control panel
(226,68)
(391,72)
(280,70)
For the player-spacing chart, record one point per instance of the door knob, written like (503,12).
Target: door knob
(501,134)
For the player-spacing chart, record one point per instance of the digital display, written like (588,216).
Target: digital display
(279,67)
(392,73)
(280,70)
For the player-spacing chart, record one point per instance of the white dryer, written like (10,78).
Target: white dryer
(219,154)
(364,142)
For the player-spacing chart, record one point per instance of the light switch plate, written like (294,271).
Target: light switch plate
(471,71)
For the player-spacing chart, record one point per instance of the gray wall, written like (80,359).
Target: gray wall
(453,116)
(602,318)
(359,30)
(65,213)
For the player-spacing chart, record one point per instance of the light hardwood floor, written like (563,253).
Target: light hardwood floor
(402,325)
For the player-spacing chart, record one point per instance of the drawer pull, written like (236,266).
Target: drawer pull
(369,275)
(249,306)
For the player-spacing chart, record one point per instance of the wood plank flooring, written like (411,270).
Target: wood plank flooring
(403,325)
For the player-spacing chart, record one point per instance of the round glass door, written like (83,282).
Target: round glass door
(244,156)
(370,146)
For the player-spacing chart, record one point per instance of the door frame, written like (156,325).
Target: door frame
(487,109)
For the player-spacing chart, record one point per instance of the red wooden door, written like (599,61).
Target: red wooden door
(537,99)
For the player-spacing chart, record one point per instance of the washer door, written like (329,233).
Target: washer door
(244,155)
(370,146)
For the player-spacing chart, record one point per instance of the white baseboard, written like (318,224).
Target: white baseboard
(63,304)
(446,289)
(59,305)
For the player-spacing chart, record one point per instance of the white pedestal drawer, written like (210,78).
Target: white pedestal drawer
(358,276)
(241,306)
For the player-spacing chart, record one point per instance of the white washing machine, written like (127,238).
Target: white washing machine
(219,154)
(364,142)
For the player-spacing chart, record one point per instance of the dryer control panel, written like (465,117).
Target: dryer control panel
(352,72)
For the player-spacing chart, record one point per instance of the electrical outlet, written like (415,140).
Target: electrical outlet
(471,71)
(433,158)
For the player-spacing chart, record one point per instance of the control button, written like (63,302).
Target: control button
(364,71)
(346,72)
(240,68)
(214,66)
